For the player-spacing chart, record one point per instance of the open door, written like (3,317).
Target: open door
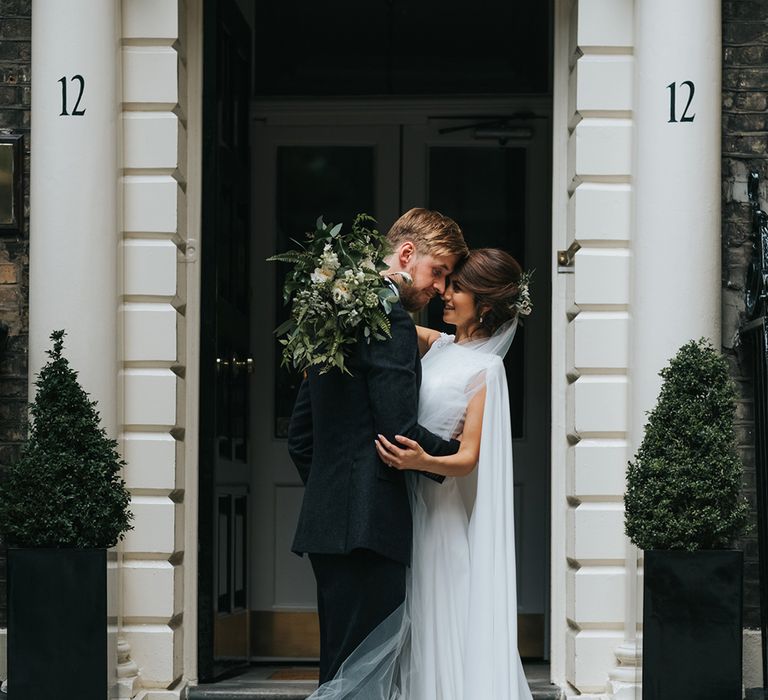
(314,163)
(226,366)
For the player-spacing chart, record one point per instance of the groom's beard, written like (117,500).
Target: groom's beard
(414,299)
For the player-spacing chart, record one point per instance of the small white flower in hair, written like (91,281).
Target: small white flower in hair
(522,304)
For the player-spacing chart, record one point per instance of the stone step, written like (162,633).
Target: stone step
(263,690)
(548,692)
(756,694)
(299,690)
(255,684)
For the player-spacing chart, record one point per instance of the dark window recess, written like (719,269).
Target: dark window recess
(401,47)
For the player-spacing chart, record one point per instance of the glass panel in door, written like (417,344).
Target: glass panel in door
(335,181)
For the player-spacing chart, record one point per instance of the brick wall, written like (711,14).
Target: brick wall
(15,55)
(745,147)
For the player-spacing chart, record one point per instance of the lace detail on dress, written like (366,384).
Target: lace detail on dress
(441,342)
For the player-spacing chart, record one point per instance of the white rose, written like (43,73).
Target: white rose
(321,275)
(340,292)
(368,263)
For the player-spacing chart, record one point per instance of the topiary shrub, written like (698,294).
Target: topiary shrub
(65,490)
(684,487)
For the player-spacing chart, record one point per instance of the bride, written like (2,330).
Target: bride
(455,636)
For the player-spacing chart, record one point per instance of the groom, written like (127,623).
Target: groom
(355,521)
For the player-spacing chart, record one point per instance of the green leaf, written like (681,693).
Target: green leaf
(290,256)
(284,327)
(387,294)
(335,230)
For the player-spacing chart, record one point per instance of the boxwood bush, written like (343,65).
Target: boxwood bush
(684,485)
(66,489)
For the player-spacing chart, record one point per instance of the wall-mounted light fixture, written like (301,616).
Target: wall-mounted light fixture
(11,183)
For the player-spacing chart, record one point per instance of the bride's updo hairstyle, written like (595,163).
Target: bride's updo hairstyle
(492,275)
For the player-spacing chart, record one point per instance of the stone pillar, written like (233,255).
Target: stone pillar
(676,241)
(74,179)
(74,216)
(675,244)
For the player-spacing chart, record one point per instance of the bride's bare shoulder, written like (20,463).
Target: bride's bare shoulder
(426,336)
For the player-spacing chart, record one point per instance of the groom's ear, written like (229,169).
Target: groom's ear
(405,252)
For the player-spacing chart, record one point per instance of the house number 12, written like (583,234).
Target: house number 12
(76,112)
(673,106)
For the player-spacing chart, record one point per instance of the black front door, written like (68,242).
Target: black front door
(226,366)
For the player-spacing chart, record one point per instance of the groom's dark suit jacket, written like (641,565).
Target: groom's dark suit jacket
(352,499)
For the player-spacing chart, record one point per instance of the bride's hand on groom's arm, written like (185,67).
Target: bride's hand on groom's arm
(408,454)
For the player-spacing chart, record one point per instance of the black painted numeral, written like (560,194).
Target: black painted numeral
(692,89)
(673,102)
(76,112)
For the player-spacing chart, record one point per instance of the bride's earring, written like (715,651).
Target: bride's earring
(481,320)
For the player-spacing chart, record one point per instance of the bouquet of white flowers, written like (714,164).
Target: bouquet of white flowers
(337,294)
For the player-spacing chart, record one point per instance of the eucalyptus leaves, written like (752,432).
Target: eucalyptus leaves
(337,294)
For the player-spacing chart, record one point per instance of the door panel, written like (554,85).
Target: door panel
(223,622)
(293,587)
(499,193)
(299,174)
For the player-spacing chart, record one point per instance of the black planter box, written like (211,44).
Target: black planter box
(57,624)
(692,635)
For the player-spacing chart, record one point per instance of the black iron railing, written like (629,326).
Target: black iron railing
(754,336)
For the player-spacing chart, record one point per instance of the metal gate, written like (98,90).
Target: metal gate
(754,338)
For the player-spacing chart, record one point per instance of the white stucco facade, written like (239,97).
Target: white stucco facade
(608,336)
(592,205)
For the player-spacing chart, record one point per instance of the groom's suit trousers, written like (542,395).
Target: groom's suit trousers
(355,592)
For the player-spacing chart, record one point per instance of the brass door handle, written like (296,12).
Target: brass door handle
(235,365)
(565,258)
(246,364)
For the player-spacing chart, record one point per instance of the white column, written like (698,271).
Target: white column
(74,232)
(676,243)
(676,237)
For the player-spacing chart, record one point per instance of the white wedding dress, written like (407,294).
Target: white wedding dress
(455,636)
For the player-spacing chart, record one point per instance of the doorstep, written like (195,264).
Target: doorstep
(290,683)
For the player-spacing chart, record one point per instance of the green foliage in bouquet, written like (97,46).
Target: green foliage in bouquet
(337,294)
(65,490)
(684,487)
